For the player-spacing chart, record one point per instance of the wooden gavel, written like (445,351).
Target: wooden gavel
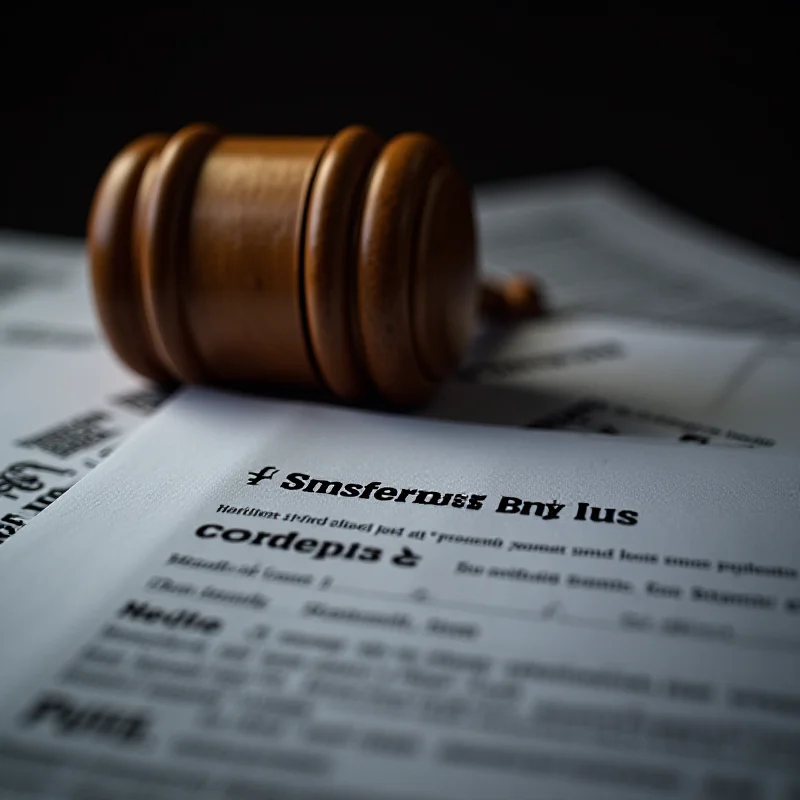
(340,263)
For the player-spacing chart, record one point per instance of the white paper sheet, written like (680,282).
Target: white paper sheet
(600,245)
(633,378)
(36,262)
(217,624)
(65,400)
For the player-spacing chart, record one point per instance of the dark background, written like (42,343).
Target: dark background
(699,110)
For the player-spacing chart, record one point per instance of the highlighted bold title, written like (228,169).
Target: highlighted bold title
(376,491)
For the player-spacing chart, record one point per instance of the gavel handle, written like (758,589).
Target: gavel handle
(518,297)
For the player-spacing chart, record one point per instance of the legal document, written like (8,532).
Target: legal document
(66,400)
(599,244)
(626,377)
(661,326)
(262,599)
(36,262)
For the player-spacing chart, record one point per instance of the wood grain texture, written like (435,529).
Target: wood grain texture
(386,263)
(165,266)
(244,292)
(115,275)
(444,281)
(334,213)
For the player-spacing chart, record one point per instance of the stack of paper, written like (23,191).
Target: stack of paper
(66,401)
(261,599)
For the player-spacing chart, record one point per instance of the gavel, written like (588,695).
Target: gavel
(345,264)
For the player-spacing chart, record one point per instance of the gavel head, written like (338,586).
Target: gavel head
(345,263)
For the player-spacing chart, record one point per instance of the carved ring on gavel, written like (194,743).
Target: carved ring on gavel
(342,263)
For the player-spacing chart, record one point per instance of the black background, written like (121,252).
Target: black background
(699,110)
